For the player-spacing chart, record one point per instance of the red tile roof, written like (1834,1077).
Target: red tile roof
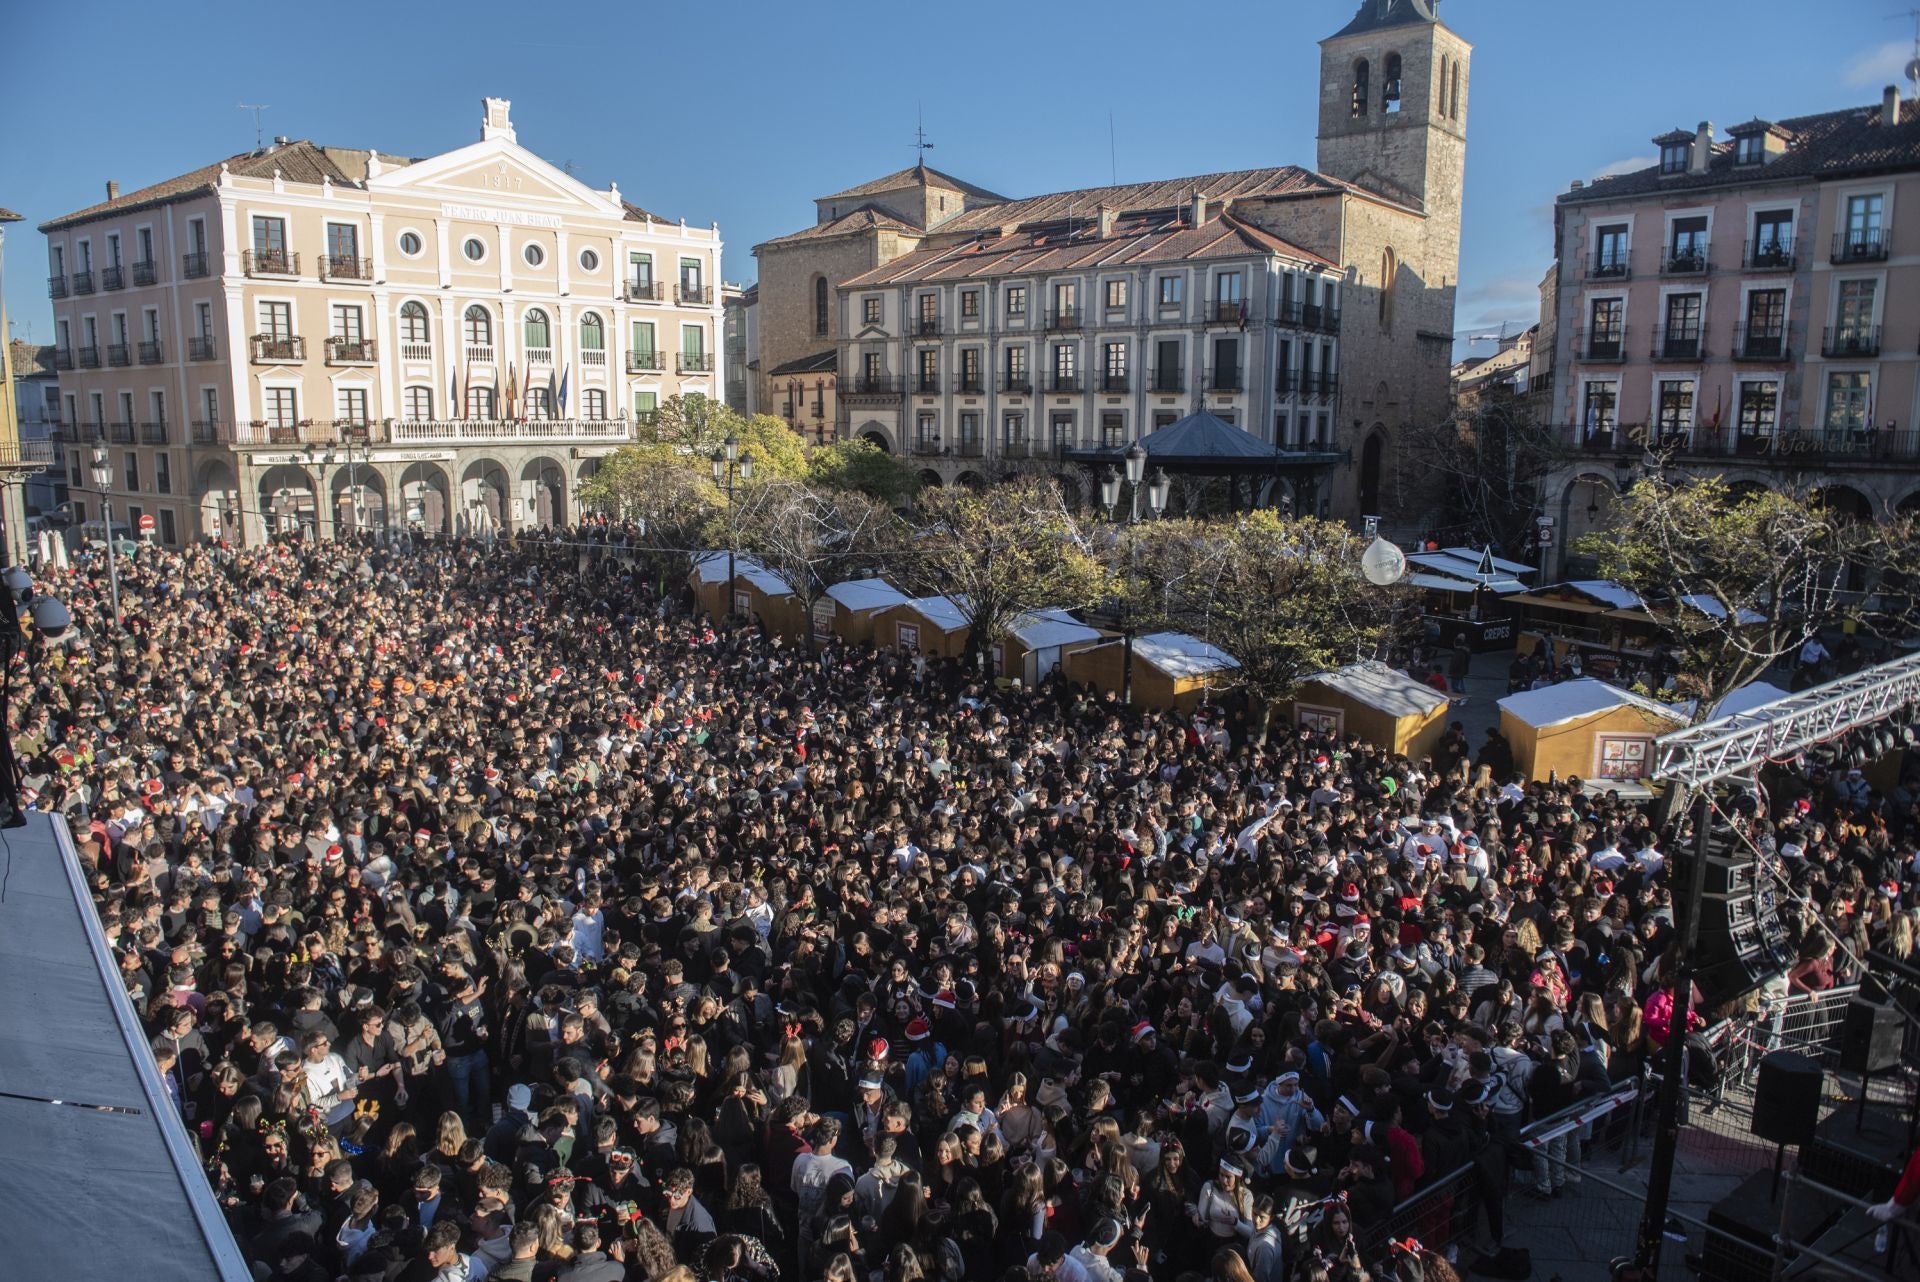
(1166,193)
(300,162)
(8,216)
(865,218)
(908,177)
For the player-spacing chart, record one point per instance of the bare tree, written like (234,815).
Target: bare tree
(814,538)
(1493,465)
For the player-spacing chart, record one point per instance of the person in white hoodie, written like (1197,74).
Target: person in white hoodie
(811,1171)
(1092,1254)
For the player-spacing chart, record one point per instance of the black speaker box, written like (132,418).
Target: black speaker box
(1870,1038)
(1740,1229)
(1786,1098)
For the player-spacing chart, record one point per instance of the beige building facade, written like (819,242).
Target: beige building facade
(317,336)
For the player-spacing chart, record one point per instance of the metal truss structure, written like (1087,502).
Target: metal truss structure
(1728,746)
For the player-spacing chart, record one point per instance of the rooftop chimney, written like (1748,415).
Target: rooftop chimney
(113,190)
(281,140)
(1890,106)
(1702,155)
(1576,185)
(1107,215)
(1199,210)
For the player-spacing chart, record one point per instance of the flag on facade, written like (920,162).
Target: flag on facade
(1719,410)
(560,402)
(513,390)
(453,391)
(553,393)
(1243,314)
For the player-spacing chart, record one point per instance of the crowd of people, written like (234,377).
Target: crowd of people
(494,915)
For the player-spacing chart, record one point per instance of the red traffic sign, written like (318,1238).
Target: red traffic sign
(146,523)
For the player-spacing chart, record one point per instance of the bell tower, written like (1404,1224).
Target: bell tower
(1393,105)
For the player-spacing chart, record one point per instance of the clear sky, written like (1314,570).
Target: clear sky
(741,111)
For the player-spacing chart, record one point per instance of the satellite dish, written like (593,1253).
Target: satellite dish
(1382,563)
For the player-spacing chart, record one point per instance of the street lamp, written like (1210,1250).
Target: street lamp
(102,472)
(729,463)
(1157,487)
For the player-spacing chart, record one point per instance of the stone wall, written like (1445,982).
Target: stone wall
(787,274)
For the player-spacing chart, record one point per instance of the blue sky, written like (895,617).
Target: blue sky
(741,111)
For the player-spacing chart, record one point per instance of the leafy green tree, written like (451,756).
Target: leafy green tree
(1000,551)
(670,504)
(699,425)
(863,467)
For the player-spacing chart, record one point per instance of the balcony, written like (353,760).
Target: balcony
(1320,386)
(541,355)
(345,267)
(1760,342)
(207,432)
(1286,382)
(1684,260)
(1063,382)
(113,278)
(81,282)
(270,262)
(119,355)
(417,353)
(1288,316)
(479,353)
(925,326)
(193,266)
(691,295)
(596,356)
(1609,266)
(872,386)
(350,351)
(153,433)
(646,291)
(645,362)
(1167,380)
(1060,319)
(1679,342)
(150,353)
(969,384)
(927,385)
(1607,345)
(120,433)
(1019,448)
(1223,378)
(268,348)
(201,348)
(1848,247)
(89,358)
(1776,444)
(1324,319)
(63,358)
(1854,341)
(695,363)
(1229,311)
(56,286)
(146,273)
(1115,382)
(1017,385)
(1768,255)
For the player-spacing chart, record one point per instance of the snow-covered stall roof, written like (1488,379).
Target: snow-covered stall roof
(1045,629)
(1748,697)
(1180,655)
(940,611)
(861,595)
(1571,700)
(1379,686)
(711,567)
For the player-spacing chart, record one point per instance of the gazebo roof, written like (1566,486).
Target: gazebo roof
(1205,442)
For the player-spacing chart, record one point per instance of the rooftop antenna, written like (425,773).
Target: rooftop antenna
(259,133)
(1113,153)
(920,144)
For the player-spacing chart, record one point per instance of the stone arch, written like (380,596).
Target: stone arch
(1909,504)
(930,479)
(287,502)
(1373,466)
(483,498)
(1586,506)
(972,480)
(424,494)
(822,306)
(1390,73)
(217,497)
(372,508)
(1361,72)
(1845,501)
(874,433)
(543,491)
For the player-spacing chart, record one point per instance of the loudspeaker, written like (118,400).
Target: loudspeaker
(1741,1227)
(1727,978)
(1870,1039)
(1786,1098)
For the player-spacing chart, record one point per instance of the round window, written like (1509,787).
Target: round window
(534,255)
(410,243)
(475,249)
(589,261)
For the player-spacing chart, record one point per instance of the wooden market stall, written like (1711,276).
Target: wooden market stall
(758,594)
(1038,642)
(1464,592)
(1170,669)
(930,625)
(1586,728)
(1599,619)
(1382,705)
(849,608)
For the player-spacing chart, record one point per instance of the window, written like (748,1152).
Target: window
(1116,295)
(929,364)
(1226,364)
(1113,428)
(1061,428)
(270,243)
(1601,406)
(1687,251)
(1013,428)
(1065,299)
(1063,361)
(410,244)
(1016,300)
(870,311)
(414,326)
(145,236)
(1166,365)
(282,406)
(690,272)
(929,313)
(1361,74)
(1674,408)
(925,431)
(970,304)
(593,333)
(480,402)
(209,405)
(533,254)
(593,404)
(1766,325)
(539,403)
(640,271)
(820,306)
(347,325)
(970,369)
(113,249)
(970,430)
(126,407)
(1855,312)
(479,326)
(276,321)
(1749,149)
(589,261)
(1390,85)
(646,405)
(1453,93)
(475,249)
(693,341)
(1673,157)
(1170,291)
(1759,410)
(1847,397)
(1016,367)
(57,264)
(1280,428)
(644,348)
(168,534)
(1610,250)
(197,234)
(1115,364)
(419,404)
(1863,228)
(1682,337)
(1773,238)
(873,368)
(150,325)
(1227,287)
(537,332)
(343,249)
(350,405)
(1606,329)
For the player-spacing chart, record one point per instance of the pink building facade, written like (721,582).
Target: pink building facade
(1749,306)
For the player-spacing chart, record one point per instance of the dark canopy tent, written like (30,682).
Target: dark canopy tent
(1204,444)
